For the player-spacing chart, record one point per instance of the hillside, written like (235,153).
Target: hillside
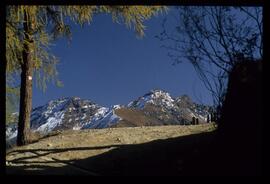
(110,151)
(134,118)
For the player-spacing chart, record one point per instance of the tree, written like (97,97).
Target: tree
(213,40)
(208,118)
(193,120)
(197,121)
(31,29)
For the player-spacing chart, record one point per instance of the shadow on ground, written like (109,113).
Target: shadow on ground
(174,156)
(197,154)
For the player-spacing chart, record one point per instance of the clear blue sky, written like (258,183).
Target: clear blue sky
(108,64)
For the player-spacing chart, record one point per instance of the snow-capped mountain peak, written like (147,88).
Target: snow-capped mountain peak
(63,112)
(156,97)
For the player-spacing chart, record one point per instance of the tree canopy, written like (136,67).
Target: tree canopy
(51,22)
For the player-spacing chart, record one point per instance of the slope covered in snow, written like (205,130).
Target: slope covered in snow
(68,113)
(106,117)
(63,113)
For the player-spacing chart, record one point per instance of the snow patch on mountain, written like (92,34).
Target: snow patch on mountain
(11,131)
(104,118)
(51,123)
(11,135)
(47,117)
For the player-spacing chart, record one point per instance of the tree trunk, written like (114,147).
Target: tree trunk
(26,86)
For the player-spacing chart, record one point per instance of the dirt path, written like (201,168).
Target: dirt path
(98,151)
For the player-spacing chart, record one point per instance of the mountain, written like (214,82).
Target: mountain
(67,113)
(160,105)
(156,107)
(72,113)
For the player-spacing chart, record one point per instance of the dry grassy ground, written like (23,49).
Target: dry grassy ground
(112,151)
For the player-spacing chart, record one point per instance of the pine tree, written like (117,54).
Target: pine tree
(213,117)
(197,121)
(193,120)
(28,40)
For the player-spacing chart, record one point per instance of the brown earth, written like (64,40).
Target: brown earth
(134,118)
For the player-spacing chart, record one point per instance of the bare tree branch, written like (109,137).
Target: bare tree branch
(213,39)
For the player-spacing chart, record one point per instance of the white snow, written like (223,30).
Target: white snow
(107,119)
(116,106)
(11,131)
(130,104)
(84,116)
(51,122)
(77,127)
(100,112)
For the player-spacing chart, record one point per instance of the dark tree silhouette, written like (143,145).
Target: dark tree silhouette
(193,120)
(208,119)
(240,127)
(213,40)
